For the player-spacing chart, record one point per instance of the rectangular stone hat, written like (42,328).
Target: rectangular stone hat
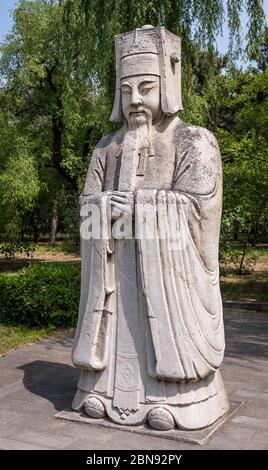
(149,50)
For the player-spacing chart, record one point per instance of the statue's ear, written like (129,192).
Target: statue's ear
(170,63)
(117,114)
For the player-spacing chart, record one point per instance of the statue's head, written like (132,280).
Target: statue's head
(140,99)
(148,70)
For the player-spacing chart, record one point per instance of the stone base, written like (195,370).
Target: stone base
(193,405)
(199,436)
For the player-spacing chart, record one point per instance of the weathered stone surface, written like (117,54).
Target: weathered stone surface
(150,336)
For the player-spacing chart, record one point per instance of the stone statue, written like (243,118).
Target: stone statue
(150,335)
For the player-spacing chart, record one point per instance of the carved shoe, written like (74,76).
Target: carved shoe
(161,419)
(94,408)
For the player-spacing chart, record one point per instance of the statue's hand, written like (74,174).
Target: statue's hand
(121,203)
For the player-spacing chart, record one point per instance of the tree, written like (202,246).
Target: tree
(57,82)
(196,22)
(19,182)
(243,139)
(47,103)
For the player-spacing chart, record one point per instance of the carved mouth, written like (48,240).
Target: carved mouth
(136,113)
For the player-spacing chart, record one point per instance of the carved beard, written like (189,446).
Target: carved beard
(136,139)
(139,117)
(141,121)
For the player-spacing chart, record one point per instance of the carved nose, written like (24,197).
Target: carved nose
(136,99)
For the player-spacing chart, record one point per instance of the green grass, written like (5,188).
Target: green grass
(13,337)
(248,288)
(60,247)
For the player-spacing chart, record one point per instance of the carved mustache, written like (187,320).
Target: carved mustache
(139,110)
(136,111)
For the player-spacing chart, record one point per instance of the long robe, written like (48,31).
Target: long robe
(150,329)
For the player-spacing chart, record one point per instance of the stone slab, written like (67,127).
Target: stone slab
(199,436)
(12,444)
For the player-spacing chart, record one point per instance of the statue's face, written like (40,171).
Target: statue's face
(141,99)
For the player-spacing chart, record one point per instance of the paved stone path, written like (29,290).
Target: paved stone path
(38,380)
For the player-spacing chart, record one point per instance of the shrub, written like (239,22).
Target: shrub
(9,249)
(42,294)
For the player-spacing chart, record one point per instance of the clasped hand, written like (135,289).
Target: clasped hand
(122,203)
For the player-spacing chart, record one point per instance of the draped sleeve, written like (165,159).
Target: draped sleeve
(181,287)
(91,345)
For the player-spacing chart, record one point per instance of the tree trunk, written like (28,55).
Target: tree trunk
(57,131)
(57,134)
(240,270)
(34,221)
(36,233)
(22,229)
(54,225)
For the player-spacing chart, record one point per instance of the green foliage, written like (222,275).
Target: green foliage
(50,121)
(53,96)
(19,181)
(194,21)
(233,259)
(41,295)
(57,80)
(10,249)
(243,139)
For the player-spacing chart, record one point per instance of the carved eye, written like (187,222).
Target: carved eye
(125,91)
(145,91)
